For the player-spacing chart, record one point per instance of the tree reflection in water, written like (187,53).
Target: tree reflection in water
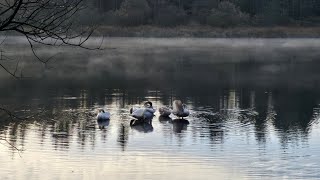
(69,114)
(123,136)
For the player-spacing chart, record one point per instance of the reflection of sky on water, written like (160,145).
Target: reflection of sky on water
(232,133)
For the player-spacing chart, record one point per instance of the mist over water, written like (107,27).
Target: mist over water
(274,62)
(254,110)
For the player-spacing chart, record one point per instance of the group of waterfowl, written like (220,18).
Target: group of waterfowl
(147,111)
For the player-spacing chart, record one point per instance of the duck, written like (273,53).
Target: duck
(146,112)
(102,115)
(165,111)
(180,110)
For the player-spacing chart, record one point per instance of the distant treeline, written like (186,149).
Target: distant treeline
(217,13)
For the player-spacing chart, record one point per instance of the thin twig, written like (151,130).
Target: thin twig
(13,116)
(44,22)
(13,146)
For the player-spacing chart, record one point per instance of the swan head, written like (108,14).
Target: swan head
(148,104)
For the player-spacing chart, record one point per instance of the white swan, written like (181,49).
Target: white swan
(179,109)
(102,115)
(145,112)
(165,111)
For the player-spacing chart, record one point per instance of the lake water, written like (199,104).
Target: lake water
(255,109)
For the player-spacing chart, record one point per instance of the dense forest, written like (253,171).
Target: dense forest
(216,13)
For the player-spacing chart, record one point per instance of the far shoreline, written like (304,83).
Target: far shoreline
(148,31)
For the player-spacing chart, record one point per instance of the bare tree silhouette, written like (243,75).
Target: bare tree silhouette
(46,22)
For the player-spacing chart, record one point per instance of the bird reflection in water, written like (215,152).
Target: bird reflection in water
(165,119)
(180,125)
(140,125)
(103,123)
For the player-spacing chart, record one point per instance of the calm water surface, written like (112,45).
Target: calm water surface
(249,119)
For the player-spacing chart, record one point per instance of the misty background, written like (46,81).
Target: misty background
(216,13)
(171,61)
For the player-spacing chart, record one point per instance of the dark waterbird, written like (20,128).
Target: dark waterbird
(165,111)
(179,109)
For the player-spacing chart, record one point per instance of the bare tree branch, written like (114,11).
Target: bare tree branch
(45,22)
(13,116)
(11,145)
(3,40)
